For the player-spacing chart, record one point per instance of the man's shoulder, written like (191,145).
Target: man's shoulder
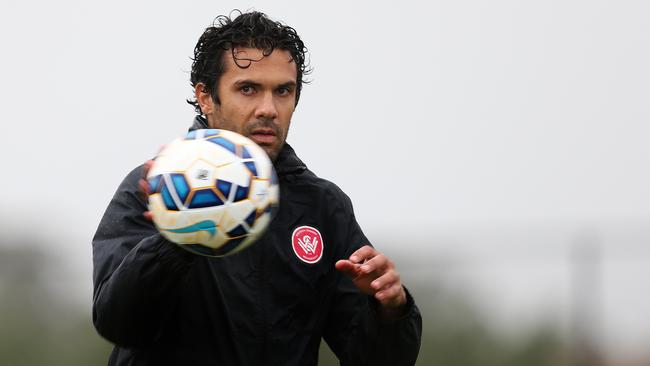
(133,177)
(135,173)
(129,188)
(323,187)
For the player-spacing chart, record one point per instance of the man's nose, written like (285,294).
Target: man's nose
(266,109)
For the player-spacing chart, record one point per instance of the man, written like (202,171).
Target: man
(267,305)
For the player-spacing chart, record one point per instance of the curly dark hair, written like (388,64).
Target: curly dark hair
(252,29)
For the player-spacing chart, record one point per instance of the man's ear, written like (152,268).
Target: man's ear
(204,98)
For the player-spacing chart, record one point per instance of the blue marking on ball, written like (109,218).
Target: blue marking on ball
(241,194)
(205,198)
(244,153)
(251,167)
(180,185)
(226,144)
(206,225)
(224,187)
(167,198)
(250,220)
(154,183)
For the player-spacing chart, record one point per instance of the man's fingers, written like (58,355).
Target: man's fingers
(144,186)
(347,267)
(363,254)
(148,215)
(389,293)
(386,280)
(378,262)
(146,167)
(143,183)
(145,190)
(375,275)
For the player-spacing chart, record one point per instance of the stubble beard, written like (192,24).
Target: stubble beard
(273,149)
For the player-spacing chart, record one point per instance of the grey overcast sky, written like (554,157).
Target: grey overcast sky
(438,118)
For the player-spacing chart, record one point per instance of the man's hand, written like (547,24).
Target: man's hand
(144,187)
(374,274)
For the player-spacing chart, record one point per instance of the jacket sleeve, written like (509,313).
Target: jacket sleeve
(355,332)
(136,272)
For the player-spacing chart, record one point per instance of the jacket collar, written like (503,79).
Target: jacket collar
(199,123)
(286,163)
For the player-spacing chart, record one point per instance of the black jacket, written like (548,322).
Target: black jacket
(161,305)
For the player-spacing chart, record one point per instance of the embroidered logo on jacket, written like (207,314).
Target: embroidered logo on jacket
(307,244)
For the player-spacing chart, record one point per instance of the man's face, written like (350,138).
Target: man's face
(257,101)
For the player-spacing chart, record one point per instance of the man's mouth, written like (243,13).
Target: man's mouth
(263,136)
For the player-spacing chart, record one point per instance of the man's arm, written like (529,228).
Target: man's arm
(373,319)
(359,335)
(375,275)
(136,271)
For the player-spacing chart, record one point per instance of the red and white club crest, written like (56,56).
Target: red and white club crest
(307,244)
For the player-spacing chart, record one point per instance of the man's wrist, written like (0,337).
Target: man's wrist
(393,310)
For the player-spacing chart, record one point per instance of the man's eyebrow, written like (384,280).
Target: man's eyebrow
(247,82)
(288,84)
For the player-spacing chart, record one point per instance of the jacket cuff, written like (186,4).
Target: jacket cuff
(406,311)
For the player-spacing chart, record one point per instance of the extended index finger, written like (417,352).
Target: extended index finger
(363,254)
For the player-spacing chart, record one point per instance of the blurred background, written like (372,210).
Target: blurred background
(497,151)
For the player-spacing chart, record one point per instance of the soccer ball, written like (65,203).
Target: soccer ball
(213,192)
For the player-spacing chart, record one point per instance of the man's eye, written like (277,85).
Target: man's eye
(283,91)
(247,89)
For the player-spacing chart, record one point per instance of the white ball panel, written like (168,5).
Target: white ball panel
(234,173)
(259,193)
(200,174)
(175,157)
(215,154)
